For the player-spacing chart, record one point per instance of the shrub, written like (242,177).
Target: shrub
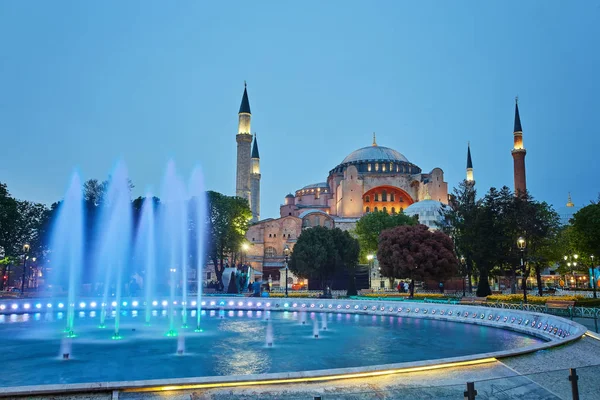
(416,295)
(518,298)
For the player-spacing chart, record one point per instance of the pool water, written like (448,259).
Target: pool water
(233,343)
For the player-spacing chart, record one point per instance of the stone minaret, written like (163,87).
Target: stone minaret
(244,141)
(470,178)
(255,182)
(518,153)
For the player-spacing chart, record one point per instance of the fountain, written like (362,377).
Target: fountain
(180,345)
(269,335)
(302,317)
(67,246)
(65,348)
(315,328)
(324,321)
(198,217)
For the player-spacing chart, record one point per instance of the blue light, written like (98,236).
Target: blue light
(194,304)
(93,304)
(82,305)
(38,305)
(286,305)
(49,305)
(165,303)
(14,306)
(124,304)
(2,306)
(155,303)
(26,306)
(60,305)
(135,303)
(114,304)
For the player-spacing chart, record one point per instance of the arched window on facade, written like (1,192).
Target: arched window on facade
(384,210)
(317,221)
(384,195)
(305,223)
(270,252)
(383,167)
(391,167)
(367,199)
(376,195)
(375,209)
(368,209)
(376,166)
(369,167)
(392,196)
(393,210)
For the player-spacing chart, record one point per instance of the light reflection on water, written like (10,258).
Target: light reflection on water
(231,346)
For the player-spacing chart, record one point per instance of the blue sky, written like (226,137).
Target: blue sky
(84,83)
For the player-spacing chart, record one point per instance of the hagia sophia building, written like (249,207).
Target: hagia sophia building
(371,178)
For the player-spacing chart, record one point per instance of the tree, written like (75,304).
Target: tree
(9,219)
(347,252)
(314,255)
(370,226)
(417,253)
(227,223)
(586,228)
(459,222)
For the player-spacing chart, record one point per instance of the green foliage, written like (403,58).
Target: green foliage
(320,252)
(227,222)
(586,229)
(417,253)
(370,226)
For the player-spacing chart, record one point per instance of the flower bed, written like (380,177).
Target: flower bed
(405,295)
(518,298)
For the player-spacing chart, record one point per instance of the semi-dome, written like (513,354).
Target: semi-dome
(374,153)
(429,212)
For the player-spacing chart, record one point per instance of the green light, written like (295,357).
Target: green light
(184,326)
(198,330)
(101,326)
(70,334)
(171,333)
(116,336)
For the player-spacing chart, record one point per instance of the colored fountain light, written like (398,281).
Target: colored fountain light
(155,303)
(2,307)
(14,306)
(38,305)
(165,303)
(114,304)
(134,304)
(82,305)
(49,305)
(93,304)
(27,306)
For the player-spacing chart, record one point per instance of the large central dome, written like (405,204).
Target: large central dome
(374,153)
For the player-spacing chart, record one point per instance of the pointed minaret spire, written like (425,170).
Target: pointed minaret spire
(255,148)
(517,117)
(518,153)
(570,202)
(374,141)
(469,164)
(245,106)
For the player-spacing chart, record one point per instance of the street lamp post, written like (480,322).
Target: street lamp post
(370,258)
(245,247)
(286,253)
(462,262)
(521,244)
(25,257)
(593,276)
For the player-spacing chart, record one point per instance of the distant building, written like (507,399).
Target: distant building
(372,178)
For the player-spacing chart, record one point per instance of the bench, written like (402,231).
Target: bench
(561,306)
(473,300)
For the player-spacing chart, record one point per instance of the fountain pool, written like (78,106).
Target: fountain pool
(233,345)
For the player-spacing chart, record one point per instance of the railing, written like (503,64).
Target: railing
(577,384)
